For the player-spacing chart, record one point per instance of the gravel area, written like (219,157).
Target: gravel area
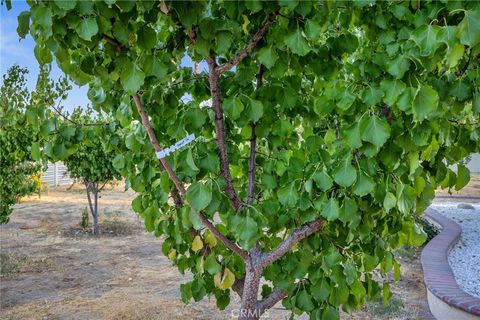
(465,256)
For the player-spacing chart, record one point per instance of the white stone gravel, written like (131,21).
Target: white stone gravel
(464,258)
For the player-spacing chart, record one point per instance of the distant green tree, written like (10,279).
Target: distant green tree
(90,163)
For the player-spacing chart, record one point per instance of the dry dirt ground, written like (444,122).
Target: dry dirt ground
(52,269)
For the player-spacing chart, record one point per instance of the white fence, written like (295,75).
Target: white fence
(56,175)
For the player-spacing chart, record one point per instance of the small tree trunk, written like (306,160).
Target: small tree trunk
(248,310)
(93,188)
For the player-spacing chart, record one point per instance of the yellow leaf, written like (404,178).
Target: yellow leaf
(197,244)
(210,239)
(224,281)
(172,254)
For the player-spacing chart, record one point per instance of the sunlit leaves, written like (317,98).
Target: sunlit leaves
(398,66)
(224,280)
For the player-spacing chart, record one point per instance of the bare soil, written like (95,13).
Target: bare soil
(53,269)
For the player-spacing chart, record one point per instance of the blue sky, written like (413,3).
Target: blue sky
(13,51)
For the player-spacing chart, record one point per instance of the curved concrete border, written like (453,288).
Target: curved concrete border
(445,298)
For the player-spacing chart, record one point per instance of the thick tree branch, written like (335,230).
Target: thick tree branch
(251,44)
(153,139)
(227,242)
(214,79)
(296,236)
(275,296)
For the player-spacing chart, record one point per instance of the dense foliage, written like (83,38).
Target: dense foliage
(323,129)
(18,172)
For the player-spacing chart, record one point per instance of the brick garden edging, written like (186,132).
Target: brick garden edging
(438,276)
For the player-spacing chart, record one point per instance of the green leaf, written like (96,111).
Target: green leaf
(247,230)
(199,195)
(35,151)
(398,66)
(154,67)
(372,96)
(288,195)
(375,130)
(321,290)
(345,174)
(468,31)
(392,90)
(463,177)
(60,151)
(297,43)
(387,294)
(87,28)
(66,4)
(346,100)
(42,16)
(350,272)
(233,107)
(190,162)
(211,265)
(364,184)
(147,38)
(23,24)
(425,103)
(312,30)
(254,110)
(186,292)
(132,77)
(330,313)
(323,180)
(352,136)
(304,302)
(267,56)
(389,202)
(119,162)
(331,210)
(426,39)
(455,55)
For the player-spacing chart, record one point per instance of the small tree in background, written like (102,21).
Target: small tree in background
(91,163)
(18,172)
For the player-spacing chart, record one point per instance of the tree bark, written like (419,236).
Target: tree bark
(93,206)
(253,274)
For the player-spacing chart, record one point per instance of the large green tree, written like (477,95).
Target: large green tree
(323,129)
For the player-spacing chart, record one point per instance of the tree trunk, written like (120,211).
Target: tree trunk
(248,310)
(93,188)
